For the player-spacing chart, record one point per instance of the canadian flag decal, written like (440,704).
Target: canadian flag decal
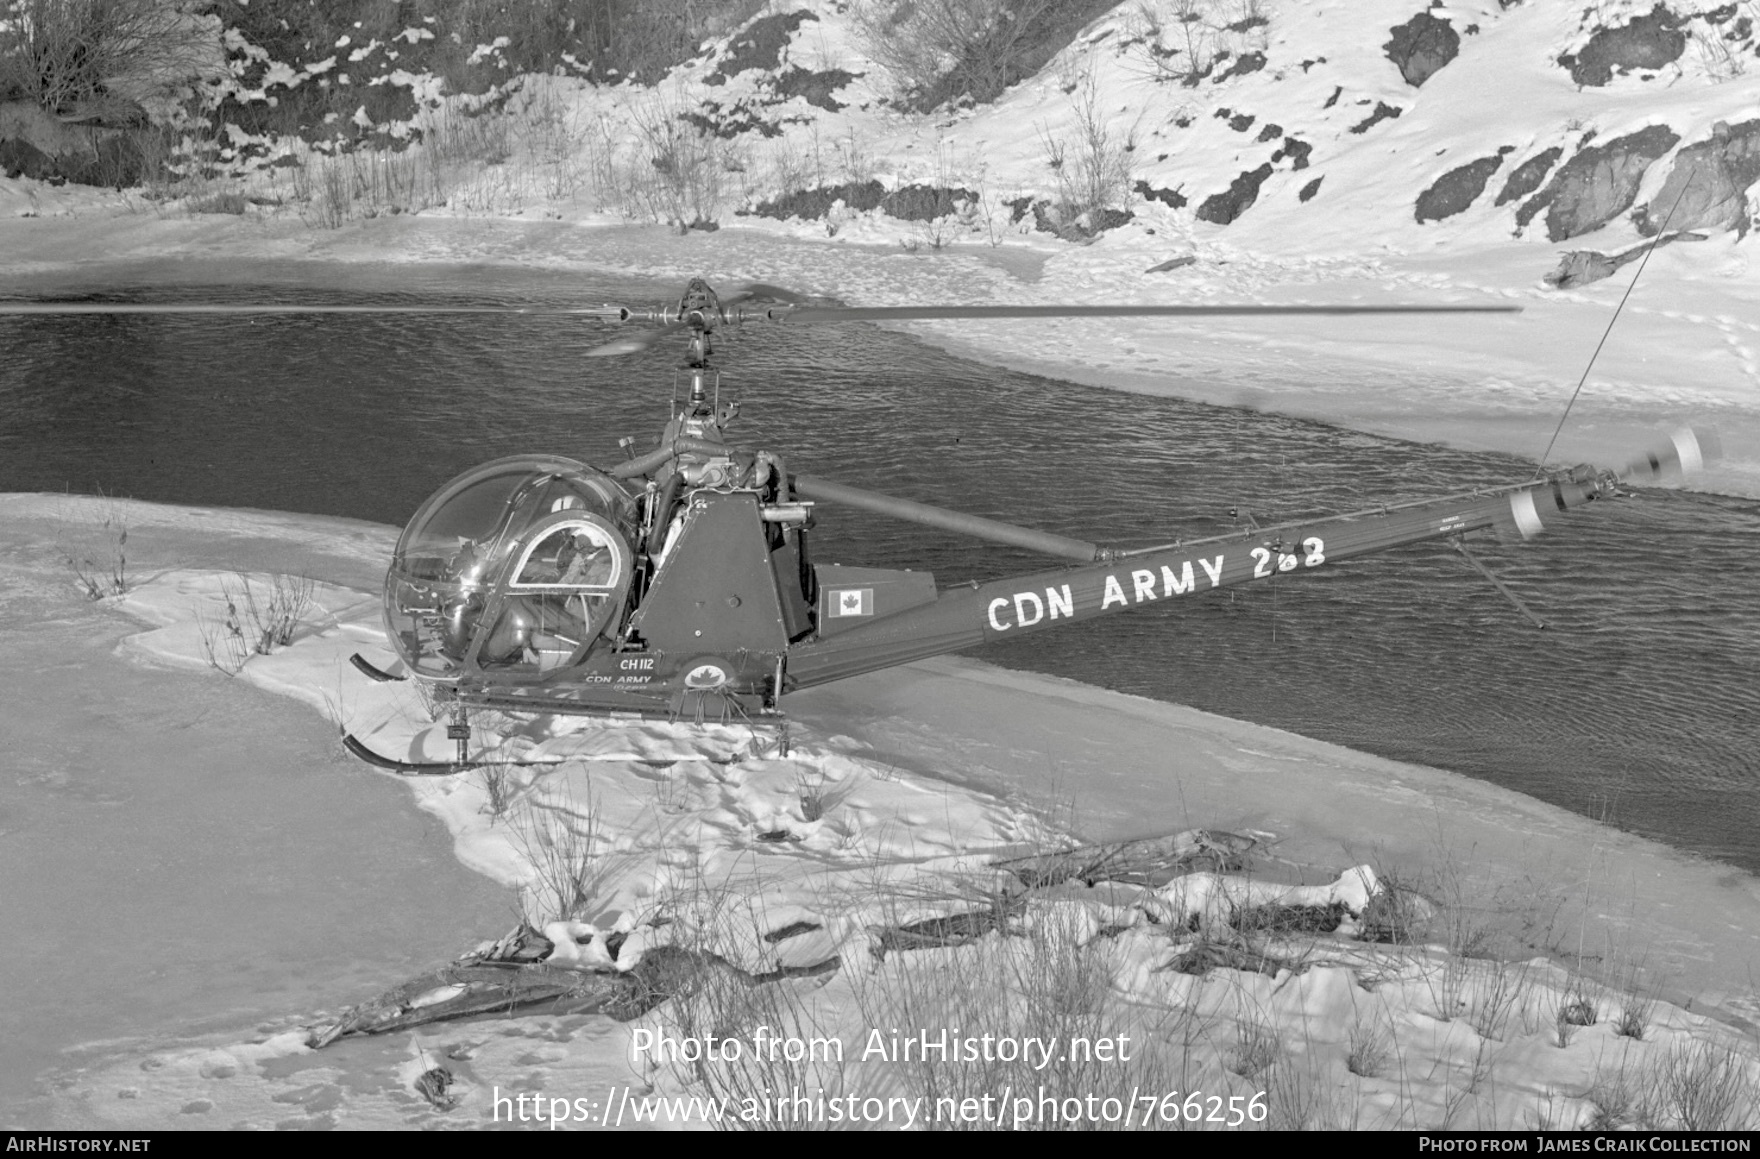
(851,601)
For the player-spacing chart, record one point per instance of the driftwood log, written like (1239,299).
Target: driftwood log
(511,977)
(1147,861)
(948,930)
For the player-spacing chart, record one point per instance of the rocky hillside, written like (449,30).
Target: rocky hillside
(1313,127)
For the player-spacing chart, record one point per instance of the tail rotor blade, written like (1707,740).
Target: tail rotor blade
(1687,452)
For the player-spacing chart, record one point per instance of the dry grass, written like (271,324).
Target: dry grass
(501,784)
(562,842)
(1257,1046)
(1370,1049)
(1049,978)
(775,1038)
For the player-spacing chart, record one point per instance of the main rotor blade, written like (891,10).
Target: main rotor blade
(1062,546)
(925,313)
(633,343)
(279,308)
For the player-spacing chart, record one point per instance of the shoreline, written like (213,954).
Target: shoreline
(1440,380)
(1549,879)
(1029,739)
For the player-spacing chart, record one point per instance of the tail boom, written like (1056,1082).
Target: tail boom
(961,618)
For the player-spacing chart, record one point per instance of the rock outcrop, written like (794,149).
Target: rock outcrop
(1421,47)
(1598,184)
(1528,175)
(1707,186)
(1650,41)
(1222,208)
(1458,188)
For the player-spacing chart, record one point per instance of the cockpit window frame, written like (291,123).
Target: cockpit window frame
(603,534)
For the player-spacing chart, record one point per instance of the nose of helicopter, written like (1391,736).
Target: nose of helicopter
(466,542)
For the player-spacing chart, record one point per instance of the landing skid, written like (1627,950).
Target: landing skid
(448,768)
(372,671)
(417,768)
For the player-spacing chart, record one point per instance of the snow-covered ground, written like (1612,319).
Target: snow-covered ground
(929,772)
(925,776)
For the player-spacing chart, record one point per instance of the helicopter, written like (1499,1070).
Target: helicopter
(679,583)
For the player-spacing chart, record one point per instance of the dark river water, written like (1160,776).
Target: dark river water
(1638,706)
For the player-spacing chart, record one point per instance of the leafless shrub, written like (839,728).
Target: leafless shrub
(1184,41)
(109,577)
(1700,1086)
(274,616)
(1724,60)
(331,203)
(71,56)
(1092,168)
(680,170)
(1179,42)
(1501,990)
(255,623)
(942,50)
(223,639)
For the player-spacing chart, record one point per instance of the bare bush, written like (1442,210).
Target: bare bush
(1701,1086)
(679,173)
(1723,58)
(942,50)
(104,573)
(1501,990)
(1185,40)
(223,640)
(88,57)
(275,615)
(255,622)
(1091,167)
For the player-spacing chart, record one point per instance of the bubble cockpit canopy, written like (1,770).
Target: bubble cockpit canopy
(516,565)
